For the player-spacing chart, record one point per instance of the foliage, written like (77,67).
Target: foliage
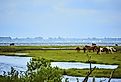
(38,71)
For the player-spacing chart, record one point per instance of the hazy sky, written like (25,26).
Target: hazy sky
(64,18)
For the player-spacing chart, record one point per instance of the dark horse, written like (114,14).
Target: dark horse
(78,49)
(89,48)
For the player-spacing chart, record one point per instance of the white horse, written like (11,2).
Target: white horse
(106,49)
(111,49)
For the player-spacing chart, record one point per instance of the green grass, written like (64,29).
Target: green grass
(70,55)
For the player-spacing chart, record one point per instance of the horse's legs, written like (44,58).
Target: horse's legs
(107,51)
(93,50)
(84,50)
(89,50)
(98,52)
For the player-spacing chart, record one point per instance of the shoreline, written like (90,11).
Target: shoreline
(59,43)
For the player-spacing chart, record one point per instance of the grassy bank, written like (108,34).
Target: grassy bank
(70,55)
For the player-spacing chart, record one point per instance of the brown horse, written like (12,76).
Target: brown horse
(89,48)
(78,49)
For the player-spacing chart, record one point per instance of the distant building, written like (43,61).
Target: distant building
(5,38)
(12,44)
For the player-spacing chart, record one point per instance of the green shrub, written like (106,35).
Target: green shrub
(38,71)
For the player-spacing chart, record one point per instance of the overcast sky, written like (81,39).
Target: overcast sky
(64,18)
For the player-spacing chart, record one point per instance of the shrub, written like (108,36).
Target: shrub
(38,71)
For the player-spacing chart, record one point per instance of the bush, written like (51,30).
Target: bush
(38,71)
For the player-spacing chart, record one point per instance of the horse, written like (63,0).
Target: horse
(99,50)
(111,49)
(89,48)
(93,44)
(106,49)
(78,49)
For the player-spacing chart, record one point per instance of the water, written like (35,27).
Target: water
(59,44)
(74,79)
(19,63)
(78,65)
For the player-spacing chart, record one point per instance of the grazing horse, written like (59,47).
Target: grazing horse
(78,49)
(111,49)
(89,48)
(106,49)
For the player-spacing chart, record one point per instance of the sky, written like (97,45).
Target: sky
(64,18)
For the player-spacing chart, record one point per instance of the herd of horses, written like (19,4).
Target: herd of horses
(93,48)
(97,49)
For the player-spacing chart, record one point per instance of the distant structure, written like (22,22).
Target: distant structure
(5,38)
(12,44)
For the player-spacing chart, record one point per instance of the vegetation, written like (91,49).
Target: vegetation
(38,71)
(70,55)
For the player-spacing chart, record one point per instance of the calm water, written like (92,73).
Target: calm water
(19,63)
(78,65)
(59,44)
(74,79)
